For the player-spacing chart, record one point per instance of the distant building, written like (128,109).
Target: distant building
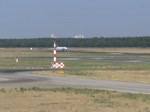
(53,36)
(79,36)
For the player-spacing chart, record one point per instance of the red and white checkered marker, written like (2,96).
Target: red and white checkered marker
(57,64)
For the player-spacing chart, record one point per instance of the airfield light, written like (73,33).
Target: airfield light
(17,60)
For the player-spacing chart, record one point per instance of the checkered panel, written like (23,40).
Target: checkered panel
(58,65)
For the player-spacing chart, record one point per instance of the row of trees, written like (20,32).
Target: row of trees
(71,42)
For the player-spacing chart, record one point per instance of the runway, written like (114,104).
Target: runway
(25,79)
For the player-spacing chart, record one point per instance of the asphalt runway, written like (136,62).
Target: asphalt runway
(25,79)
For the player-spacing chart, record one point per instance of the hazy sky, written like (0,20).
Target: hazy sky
(67,18)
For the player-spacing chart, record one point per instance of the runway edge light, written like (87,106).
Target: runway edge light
(17,60)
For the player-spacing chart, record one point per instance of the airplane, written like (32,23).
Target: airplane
(61,48)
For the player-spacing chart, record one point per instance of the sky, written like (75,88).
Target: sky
(67,18)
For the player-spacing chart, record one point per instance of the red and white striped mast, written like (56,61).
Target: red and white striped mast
(57,64)
(54,52)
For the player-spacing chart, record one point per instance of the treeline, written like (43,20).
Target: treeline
(71,42)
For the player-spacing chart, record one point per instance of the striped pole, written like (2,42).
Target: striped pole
(56,64)
(54,52)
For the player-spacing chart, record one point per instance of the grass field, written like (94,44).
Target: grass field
(71,100)
(77,100)
(41,58)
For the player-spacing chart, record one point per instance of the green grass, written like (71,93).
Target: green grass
(89,64)
(27,58)
(99,69)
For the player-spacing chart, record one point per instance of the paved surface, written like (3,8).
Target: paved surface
(110,59)
(28,80)
(97,59)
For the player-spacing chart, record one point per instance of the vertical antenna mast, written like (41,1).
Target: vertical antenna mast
(54,52)
(57,64)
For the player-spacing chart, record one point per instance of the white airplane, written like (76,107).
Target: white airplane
(61,48)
